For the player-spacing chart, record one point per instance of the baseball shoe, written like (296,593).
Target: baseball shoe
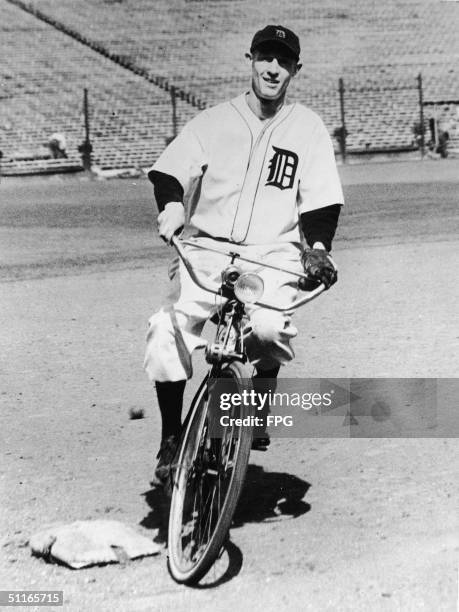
(261,444)
(165,457)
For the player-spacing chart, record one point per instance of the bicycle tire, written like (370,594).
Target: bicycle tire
(193,471)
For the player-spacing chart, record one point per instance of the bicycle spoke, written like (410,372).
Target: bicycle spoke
(228,456)
(208,524)
(199,511)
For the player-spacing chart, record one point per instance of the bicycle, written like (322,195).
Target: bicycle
(211,461)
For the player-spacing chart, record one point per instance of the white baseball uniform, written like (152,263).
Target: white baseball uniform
(246,182)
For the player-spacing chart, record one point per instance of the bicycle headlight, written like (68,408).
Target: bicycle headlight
(249,288)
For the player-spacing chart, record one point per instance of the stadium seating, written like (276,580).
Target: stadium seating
(129,52)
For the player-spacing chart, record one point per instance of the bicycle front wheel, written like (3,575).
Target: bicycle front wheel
(208,480)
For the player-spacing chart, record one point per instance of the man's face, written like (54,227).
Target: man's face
(272,69)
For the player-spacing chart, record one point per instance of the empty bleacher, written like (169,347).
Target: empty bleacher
(198,45)
(43,76)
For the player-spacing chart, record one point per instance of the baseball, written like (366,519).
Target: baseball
(136,413)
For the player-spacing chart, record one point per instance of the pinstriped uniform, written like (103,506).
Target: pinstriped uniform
(246,182)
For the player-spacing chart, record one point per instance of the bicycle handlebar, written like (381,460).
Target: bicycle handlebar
(215,288)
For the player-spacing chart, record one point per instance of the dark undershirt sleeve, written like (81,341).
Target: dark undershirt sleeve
(166,187)
(320,225)
(317,225)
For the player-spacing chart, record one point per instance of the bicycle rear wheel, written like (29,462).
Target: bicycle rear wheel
(208,480)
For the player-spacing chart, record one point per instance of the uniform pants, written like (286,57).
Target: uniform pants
(175,330)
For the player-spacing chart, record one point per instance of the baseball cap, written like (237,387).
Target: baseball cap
(278,34)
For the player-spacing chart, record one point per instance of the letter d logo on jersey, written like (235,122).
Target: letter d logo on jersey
(282,168)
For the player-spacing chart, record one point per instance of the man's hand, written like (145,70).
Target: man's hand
(318,264)
(170,220)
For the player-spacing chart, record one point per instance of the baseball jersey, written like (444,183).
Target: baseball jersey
(247,180)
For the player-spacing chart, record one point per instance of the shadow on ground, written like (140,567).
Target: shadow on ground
(158,517)
(266,496)
(270,496)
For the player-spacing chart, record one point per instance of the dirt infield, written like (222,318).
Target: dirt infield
(365,523)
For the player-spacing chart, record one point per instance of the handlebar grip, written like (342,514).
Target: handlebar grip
(308,284)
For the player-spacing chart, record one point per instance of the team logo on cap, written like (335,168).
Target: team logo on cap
(282,168)
(280,33)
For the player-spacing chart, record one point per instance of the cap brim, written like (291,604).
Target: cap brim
(276,42)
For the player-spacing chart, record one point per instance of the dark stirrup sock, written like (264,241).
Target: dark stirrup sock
(267,373)
(170,400)
(269,377)
(264,381)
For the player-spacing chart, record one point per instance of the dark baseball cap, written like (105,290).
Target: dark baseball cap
(280,35)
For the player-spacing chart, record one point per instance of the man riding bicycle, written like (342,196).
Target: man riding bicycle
(244,176)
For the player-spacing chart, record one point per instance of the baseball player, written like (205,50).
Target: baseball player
(247,176)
